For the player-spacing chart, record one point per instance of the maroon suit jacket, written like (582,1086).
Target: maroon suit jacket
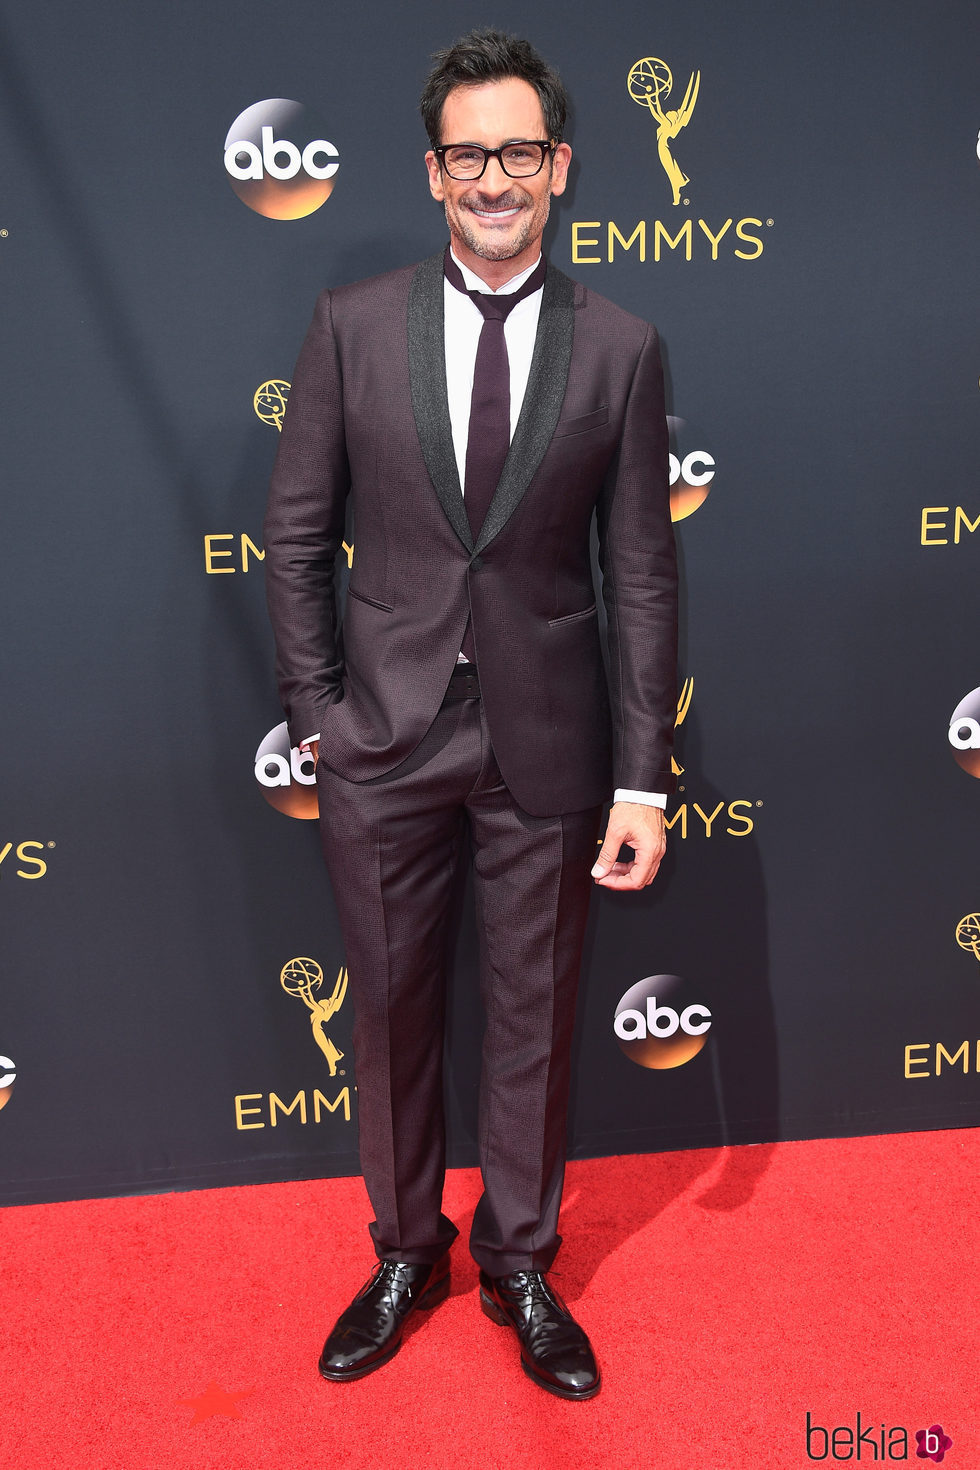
(368,418)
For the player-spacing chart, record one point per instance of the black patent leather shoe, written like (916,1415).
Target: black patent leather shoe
(370,1331)
(555,1352)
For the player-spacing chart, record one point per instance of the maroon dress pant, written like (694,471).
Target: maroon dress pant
(393,846)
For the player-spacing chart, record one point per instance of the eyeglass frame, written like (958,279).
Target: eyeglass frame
(547,145)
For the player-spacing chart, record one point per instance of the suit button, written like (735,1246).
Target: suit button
(476,564)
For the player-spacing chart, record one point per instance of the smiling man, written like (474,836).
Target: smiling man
(496,216)
(482,412)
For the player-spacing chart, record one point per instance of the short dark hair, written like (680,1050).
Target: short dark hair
(491,56)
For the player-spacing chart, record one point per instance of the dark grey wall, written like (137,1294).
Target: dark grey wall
(827,360)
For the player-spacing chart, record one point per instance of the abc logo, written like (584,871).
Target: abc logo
(278,161)
(659,1024)
(8,1075)
(692,470)
(964,733)
(287,776)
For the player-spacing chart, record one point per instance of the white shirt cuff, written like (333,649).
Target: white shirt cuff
(645,798)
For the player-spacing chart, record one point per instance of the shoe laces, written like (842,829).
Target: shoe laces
(534,1286)
(395,1277)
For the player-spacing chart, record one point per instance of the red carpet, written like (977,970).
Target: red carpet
(727,1293)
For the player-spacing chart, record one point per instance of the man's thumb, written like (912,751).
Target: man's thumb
(608,854)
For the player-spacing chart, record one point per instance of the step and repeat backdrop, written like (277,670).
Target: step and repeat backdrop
(791,194)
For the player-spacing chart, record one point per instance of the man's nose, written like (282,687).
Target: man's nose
(494,180)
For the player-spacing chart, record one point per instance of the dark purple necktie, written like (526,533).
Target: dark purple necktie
(489,432)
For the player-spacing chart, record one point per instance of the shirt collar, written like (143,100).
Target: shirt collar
(474,283)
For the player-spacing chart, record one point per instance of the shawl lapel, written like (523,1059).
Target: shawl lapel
(539,413)
(430,403)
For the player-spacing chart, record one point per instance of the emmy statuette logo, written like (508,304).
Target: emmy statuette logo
(278,161)
(303,978)
(8,1076)
(650,83)
(630,241)
(269,401)
(683,705)
(968,935)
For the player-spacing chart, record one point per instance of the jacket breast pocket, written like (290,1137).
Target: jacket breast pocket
(583,423)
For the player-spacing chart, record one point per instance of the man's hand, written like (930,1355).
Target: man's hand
(640,827)
(313,748)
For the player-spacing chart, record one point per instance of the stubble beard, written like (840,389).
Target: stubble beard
(532,223)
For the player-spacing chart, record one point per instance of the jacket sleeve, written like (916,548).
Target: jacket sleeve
(304,529)
(639,585)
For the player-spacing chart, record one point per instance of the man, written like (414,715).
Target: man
(467,704)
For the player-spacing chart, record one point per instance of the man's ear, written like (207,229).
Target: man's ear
(435,177)
(559,168)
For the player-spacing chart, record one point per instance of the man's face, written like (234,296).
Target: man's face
(497,218)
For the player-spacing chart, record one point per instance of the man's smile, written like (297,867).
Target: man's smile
(507,207)
(496,214)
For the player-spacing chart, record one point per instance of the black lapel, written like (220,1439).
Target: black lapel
(430,403)
(543,399)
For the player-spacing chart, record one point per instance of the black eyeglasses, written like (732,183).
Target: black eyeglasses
(518,160)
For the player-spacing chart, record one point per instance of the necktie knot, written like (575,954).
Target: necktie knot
(495,307)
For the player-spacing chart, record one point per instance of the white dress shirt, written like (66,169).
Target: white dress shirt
(464,323)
